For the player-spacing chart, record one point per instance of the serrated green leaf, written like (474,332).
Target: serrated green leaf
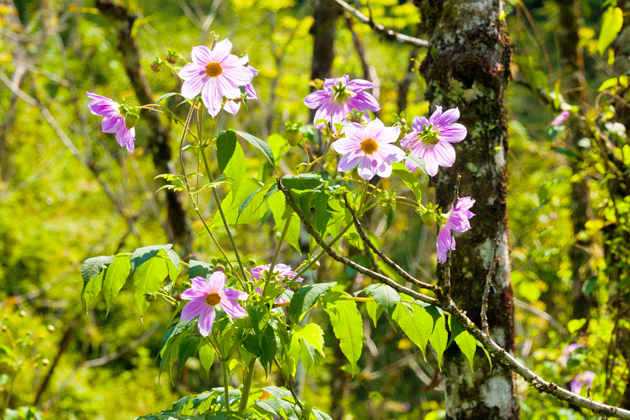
(226,145)
(439,338)
(199,269)
(260,145)
(254,211)
(304,299)
(268,348)
(148,278)
(385,296)
(306,181)
(188,348)
(348,328)
(206,355)
(235,169)
(144,254)
(312,334)
(467,344)
(419,162)
(374,311)
(115,278)
(92,272)
(417,324)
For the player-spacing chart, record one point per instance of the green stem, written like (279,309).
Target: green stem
(226,374)
(247,384)
(214,239)
(225,223)
(277,253)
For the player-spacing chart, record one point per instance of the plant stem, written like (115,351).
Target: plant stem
(226,374)
(277,253)
(247,384)
(225,223)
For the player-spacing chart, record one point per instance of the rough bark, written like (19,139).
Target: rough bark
(573,67)
(468,68)
(158,137)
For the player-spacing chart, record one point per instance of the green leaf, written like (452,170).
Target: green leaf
(206,355)
(385,296)
(312,334)
(165,96)
(199,269)
(188,348)
(235,169)
(278,205)
(409,180)
(417,324)
(93,271)
(302,181)
(259,317)
(439,338)
(419,162)
(226,145)
(575,324)
(115,278)
(144,254)
(348,328)
(565,151)
(148,278)
(467,344)
(374,311)
(304,299)
(254,211)
(260,145)
(310,356)
(589,285)
(612,21)
(268,347)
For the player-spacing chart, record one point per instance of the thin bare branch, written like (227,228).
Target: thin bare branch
(386,32)
(486,290)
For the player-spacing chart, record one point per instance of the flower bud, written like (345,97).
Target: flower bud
(428,217)
(172,56)
(45,362)
(252,262)
(219,267)
(51,328)
(132,118)
(157,64)
(150,297)
(315,266)
(293,136)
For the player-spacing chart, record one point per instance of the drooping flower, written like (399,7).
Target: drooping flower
(431,139)
(370,147)
(566,352)
(283,271)
(233,106)
(561,118)
(216,74)
(339,97)
(114,119)
(457,219)
(205,296)
(581,379)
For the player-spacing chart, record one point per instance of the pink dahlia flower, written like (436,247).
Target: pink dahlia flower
(283,271)
(205,296)
(561,118)
(216,74)
(431,139)
(339,97)
(584,378)
(233,106)
(457,219)
(113,121)
(370,147)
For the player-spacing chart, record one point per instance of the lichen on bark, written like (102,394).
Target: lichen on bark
(468,67)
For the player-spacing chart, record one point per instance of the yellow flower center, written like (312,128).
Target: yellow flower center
(213,299)
(214,69)
(369,146)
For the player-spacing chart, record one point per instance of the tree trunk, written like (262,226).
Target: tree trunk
(468,67)
(158,138)
(573,66)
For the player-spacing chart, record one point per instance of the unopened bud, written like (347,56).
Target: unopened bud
(293,137)
(132,118)
(45,362)
(428,217)
(172,56)
(157,64)
(314,266)
(294,287)
(252,262)
(22,313)
(150,297)
(51,328)
(219,267)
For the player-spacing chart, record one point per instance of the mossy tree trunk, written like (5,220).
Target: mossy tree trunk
(468,67)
